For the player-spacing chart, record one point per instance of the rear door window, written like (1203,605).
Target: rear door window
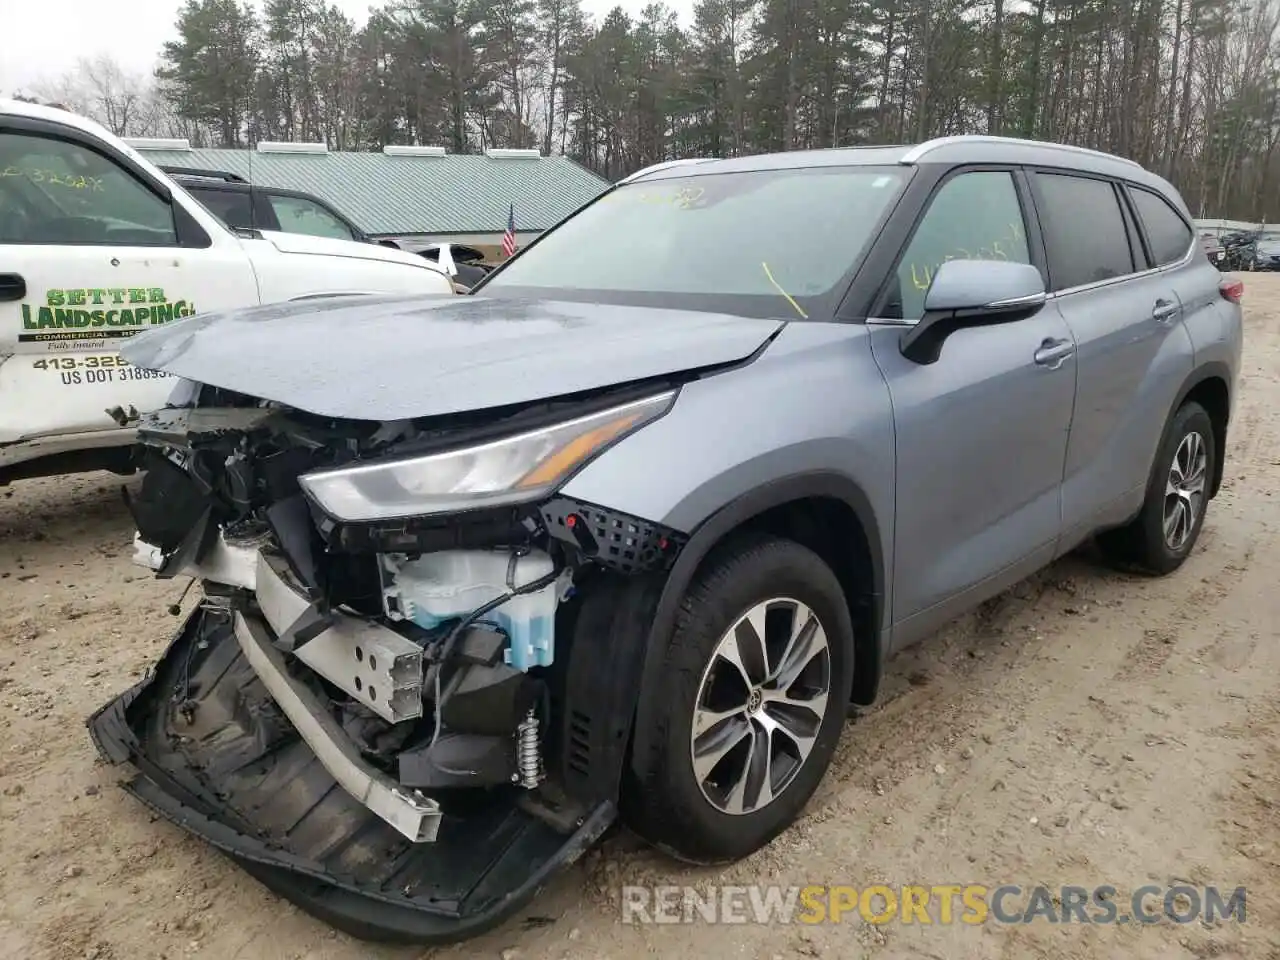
(1084,230)
(1167,232)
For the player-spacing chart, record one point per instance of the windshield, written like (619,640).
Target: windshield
(759,243)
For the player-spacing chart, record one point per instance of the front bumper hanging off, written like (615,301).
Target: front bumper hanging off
(227,746)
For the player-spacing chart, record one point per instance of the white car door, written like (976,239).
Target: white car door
(93,250)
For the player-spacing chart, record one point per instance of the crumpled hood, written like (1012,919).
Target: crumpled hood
(395,357)
(333,247)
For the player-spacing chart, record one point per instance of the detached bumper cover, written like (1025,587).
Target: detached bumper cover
(214,756)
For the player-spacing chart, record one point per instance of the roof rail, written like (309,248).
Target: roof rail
(203,174)
(920,150)
(664,165)
(287,146)
(412,150)
(159,143)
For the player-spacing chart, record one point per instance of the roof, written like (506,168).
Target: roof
(387,194)
(950,150)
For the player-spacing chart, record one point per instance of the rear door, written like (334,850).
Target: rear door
(1125,314)
(94,251)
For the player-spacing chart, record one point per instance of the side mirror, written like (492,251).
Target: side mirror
(972,293)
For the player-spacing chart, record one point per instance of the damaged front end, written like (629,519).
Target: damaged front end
(403,700)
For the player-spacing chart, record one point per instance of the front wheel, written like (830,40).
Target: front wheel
(1163,534)
(754,689)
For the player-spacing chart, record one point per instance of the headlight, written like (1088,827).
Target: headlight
(512,470)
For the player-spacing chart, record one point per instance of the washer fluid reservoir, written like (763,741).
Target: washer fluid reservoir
(436,587)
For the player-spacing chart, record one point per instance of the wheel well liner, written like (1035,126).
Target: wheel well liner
(810,498)
(1209,386)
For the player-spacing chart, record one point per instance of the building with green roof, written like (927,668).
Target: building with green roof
(408,191)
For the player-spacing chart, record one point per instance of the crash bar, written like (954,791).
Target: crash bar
(411,813)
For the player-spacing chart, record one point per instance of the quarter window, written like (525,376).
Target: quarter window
(58,192)
(1084,230)
(1167,232)
(974,216)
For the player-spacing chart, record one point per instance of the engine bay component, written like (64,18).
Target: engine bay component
(480,707)
(437,587)
(528,753)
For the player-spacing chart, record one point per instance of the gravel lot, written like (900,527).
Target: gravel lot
(1087,727)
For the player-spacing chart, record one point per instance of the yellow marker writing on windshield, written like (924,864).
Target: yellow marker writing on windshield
(778,287)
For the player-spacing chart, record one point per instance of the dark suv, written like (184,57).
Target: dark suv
(245,206)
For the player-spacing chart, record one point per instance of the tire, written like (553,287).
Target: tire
(1143,542)
(665,801)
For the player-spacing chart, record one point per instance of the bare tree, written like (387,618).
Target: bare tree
(126,103)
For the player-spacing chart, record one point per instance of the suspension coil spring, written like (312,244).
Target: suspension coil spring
(529,772)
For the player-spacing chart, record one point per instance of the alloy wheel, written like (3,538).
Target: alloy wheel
(1184,490)
(760,705)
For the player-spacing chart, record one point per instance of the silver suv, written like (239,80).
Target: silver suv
(629,528)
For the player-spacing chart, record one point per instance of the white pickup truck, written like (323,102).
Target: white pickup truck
(97,244)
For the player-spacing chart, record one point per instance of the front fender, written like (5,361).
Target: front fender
(809,418)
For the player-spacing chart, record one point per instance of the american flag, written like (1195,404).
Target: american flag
(509,238)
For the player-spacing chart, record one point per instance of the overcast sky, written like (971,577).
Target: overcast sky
(43,39)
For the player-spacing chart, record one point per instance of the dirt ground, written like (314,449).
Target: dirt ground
(1087,727)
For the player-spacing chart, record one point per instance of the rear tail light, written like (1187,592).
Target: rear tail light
(1231,290)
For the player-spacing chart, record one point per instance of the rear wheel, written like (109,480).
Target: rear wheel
(1163,534)
(755,685)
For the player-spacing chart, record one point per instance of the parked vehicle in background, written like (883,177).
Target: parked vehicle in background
(1213,248)
(245,206)
(1266,252)
(1238,251)
(97,244)
(466,264)
(629,528)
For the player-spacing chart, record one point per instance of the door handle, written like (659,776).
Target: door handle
(1053,353)
(1165,310)
(12,286)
